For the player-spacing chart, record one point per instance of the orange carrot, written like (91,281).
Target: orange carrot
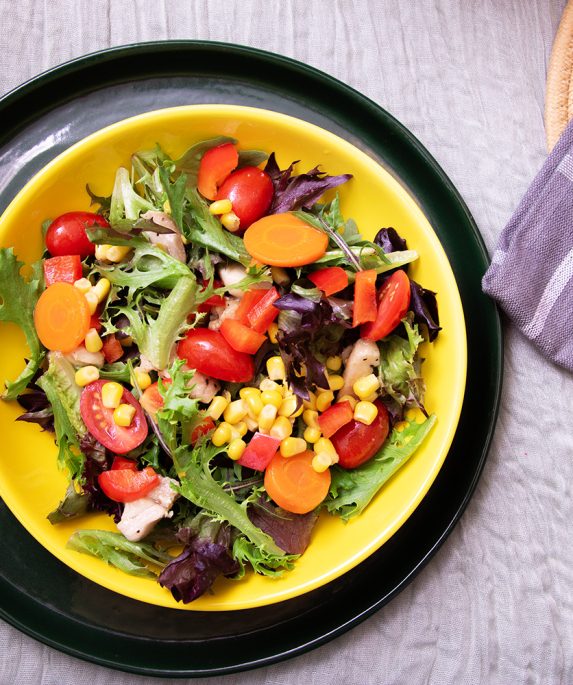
(294,485)
(62,317)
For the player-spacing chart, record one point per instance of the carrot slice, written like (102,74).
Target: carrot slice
(284,240)
(294,485)
(62,317)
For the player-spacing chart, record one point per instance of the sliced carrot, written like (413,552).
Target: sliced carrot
(62,317)
(284,240)
(294,485)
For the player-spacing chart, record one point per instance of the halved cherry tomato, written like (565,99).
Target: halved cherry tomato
(126,485)
(61,317)
(393,303)
(330,280)
(120,463)
(263,313)
(248,301)
(259,452)
(66,269)
(209,353)
(99,420)
(294,485)
(112,349)
(216,164)
(205,425)
(151,400)
(356,442)
(66,235)
(241,337)
(335,417)
(251,192)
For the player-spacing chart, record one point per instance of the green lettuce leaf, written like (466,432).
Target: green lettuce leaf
(179,411)
(125,202)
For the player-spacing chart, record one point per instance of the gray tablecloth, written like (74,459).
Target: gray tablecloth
(496,604)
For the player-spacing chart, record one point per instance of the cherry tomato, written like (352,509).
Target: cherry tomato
(393,303)
(66,235)
(127,485)
(151,400)
(205,425)
(216,164)
(100,423)
(356,442)
(209,353)
(251,192)
(120,463)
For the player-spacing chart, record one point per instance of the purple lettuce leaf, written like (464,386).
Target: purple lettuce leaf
(97,460)
(425,307)
(38,409)
(290,532)
(389,240)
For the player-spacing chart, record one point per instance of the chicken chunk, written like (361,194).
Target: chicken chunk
(231,274)
(81,357)
(204,387)
(364,356)
(139,517)
(172,243)
(219,314)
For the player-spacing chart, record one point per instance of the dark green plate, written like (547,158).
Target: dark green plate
(44,598)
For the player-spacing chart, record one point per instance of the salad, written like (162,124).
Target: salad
(221,357)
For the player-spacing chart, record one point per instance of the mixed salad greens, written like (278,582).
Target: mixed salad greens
(221,356)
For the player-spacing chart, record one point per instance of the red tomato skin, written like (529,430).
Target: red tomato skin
(66,235)
(251,192)
(209,353)
(206,425)
(216,164)
(127,485)
(334,418)
(66,269)
(356,443)
(120,463)
(393,303)
(259,452)
(99,420)
(112,349)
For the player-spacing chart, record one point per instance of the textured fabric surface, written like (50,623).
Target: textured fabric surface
(531,274)
(496,603)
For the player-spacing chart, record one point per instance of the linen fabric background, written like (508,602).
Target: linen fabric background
(496,603)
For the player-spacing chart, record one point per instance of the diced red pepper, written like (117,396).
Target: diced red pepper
(125,485)
(335,417)
(248,301)
(331,280)
(241,337)
(120,463)
(259,452)
(112,349)
(66,269)
(216,164)
(206,425)
(264,312)
(95,322)
(365,302)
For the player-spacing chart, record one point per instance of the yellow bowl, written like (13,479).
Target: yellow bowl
(30,482)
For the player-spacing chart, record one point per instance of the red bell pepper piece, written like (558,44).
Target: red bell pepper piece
(248,301)
(216,164)
(365,304)
(214,300)
(112,349)
(335,417)
(66,269)
(259,452)
(241,337)
(331,280)
(125,485)
(95,322)
(264,312)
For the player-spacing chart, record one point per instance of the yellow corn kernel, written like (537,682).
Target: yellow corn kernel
(254,404)
(231,221)
(310,403)
(246,392)
(272,397)
(365,412)
(276,369)
(280,275)
(335,382)
(273,330)
(111,394)
(101,252)
(320,462)
(241,428)
(365,386)
(123,415)
(92,301)
(324,400)
(310,417)
(298,412)
(117,252)
(267,418)
(252,424)
(217,407)
(401,426)
(288,406)
(236,448)
(142,378)
(235,411)
(348,398)
(92,341)
(415,415)
(334,363)
(312,435)
(220,207)
(326,446)
(221,435)
(267,384)
(291,446)
(86,375)
(83,285)
(281,428)
(101,289)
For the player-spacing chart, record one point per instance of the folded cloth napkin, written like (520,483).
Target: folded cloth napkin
(531,272)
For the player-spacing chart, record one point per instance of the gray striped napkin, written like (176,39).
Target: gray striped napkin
(531,272)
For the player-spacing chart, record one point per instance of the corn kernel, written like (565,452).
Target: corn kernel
(231,221)
(92,301)
(288,406)
(235,411)
(86,375)
(310,417)
(348,398)
(273,330)
(324,400)
(415,415)
(401,426)
(111,394)
(101,289)
(252,424)
(220,207)
(267,417)
(291,446)
(217,407)
(142,378)
(272,397)
(267,384)
(276,369)
(83,285)
(254,405)
(320,462)
(365,412)
(334,363)
(281,428)
(244,393)
(335,382)
(236,448)
(117,252)
(365,386)
(92,341)
(312,435)
(221,435)
(101,252)
(311,402)
(326,446)
(123,415)
(241,428)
